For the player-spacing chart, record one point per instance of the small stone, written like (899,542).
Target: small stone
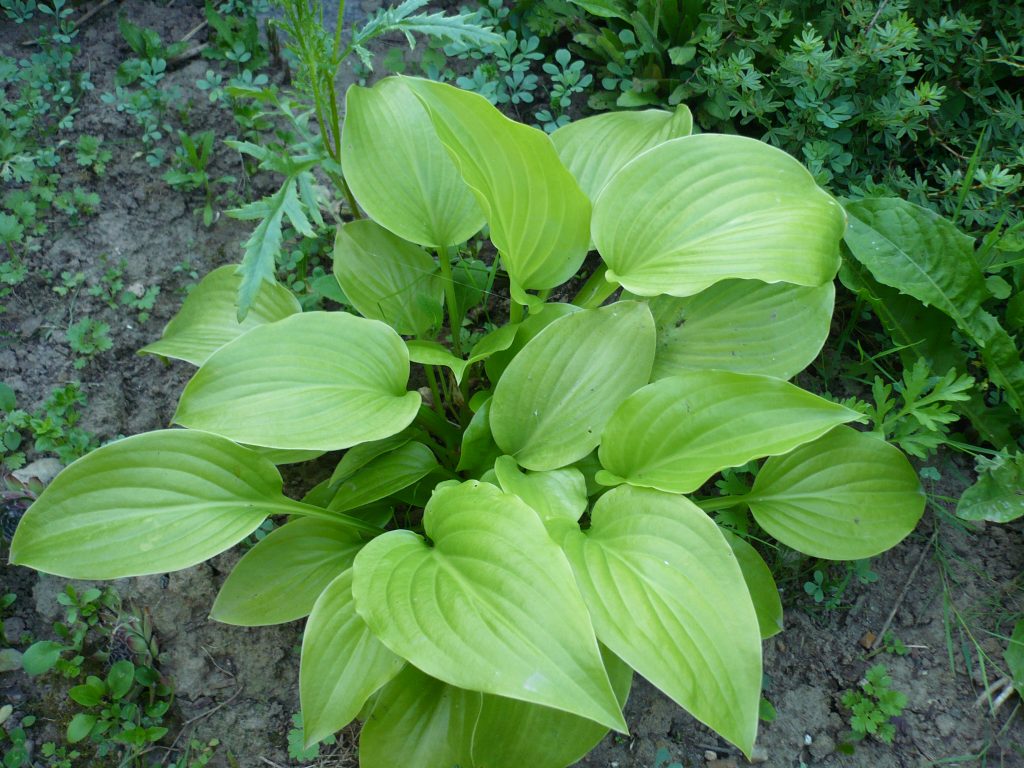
(710,754)
(867,640)
(808,740)
(759,754)
(10,660)
(822,747)
(729,762)
(780,646)
(14,628)
(945,724)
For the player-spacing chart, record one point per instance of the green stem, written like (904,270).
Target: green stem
(721,502)
(308,510)
(432,383)
(454,317)
(595,290)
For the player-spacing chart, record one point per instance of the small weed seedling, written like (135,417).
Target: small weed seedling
(52,428)
(874,705)
(189,169)
(12,741)
(297,750)
(89,153)
(87,338)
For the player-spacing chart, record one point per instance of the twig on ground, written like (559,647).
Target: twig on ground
(1002,689)
(903,592)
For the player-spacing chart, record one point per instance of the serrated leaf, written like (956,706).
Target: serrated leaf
(151,503)
(845,496)
(745,326)
(557,493)
(342,662)
(490,606)
(660,560)
(387,278)
(538,217)
(281,578)
(696,210)
(557,394)
(400,172)
(998,493)
(385,475)
(207,319)
(316,381)
(676,433)
(595,148)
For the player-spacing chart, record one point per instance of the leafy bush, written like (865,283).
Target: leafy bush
(492,550)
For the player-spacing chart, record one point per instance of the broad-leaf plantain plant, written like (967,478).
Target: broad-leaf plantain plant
(487,566)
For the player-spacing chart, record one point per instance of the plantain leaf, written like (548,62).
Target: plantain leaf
(745,326)
(207,319)
(316,381)
(674,434)
(281,578)
(342,665)
(557,493)
(553,400)
(152,503)
(693,632)
(693,211)
(539,219)
(491,606)
(845,496)
(595,148)
(388,279)
(384,475)
(761,584)
(400,172)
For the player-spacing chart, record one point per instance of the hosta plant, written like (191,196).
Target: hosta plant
(487,565)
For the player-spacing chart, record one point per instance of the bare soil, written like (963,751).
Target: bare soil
(954,590)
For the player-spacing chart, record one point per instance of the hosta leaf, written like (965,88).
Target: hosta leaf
(491,606)
(387,278)
(400,172)
(358,456)
(761,584)
(539,219)
(151,503)
(433,353)
(660,560)
(478,450)
(693,211)
(745,326)
(342,662)
(536,321)
(557,493)
(383,476)
(317,381)
(998,494)
(207,319)
(553,400)
(594,148)
(280,578)
(674,434)
(846,496)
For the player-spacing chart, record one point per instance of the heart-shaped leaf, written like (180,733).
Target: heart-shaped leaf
(387,278)
(693,632)
(491,606)
(553,400)
(746,326)
(539,218)
(342,662)
(319,380)
(846,496)
(152,503)
(674,434)
(400,172)
(208,319)
(693,211)
(280,578)
(595,148)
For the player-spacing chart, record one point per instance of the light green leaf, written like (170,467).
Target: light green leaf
(539,219)
(693,211)
(358,456)
(151,503)
(387,278)
(207,319)
(316,381)
(557,493)
(676,433)
(925,256)
(478,450)
(385,475)
(553,400)
(998,494)
(280,578)
(342,662)
(693,632)
(761,584)
(745,326)
(400,172)
(595,148)
(846,496)
(491,606)
(534,323)
(432,353)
